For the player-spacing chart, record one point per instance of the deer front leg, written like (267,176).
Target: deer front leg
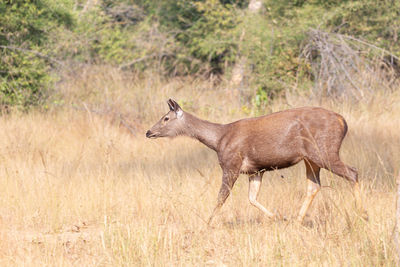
(227,183)
(254,188)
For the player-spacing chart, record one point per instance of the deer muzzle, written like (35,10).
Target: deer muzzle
(150,134)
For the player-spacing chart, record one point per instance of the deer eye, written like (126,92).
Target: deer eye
(166,119)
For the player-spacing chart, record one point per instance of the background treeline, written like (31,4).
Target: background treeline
(324,45)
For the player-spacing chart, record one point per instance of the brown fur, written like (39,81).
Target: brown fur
(274,141)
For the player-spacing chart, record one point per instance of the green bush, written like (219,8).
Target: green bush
(178,37)
(274,40)
(24,61)
(188,37)
(375,21)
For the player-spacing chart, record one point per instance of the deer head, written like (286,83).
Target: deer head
(170,125)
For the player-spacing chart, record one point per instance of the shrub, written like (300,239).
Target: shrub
(24,60)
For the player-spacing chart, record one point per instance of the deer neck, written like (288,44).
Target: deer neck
(206,132)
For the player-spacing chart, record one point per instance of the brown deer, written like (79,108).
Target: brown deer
(275,141)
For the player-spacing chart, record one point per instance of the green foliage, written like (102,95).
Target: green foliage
(272,44)
(24,66)
(24,78)
(113,35)
(274,40)
(178,37)
(210,37)
(186,36)
(375,21)
(260,101)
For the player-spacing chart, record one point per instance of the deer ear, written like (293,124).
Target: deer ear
(170,103)
(174,106)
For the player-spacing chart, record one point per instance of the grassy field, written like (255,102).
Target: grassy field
(79,187)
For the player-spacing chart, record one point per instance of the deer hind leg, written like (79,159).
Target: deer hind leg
(313,187)
(350,174)
(254,188)
(228,180)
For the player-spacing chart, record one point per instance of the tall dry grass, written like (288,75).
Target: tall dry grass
(79,188)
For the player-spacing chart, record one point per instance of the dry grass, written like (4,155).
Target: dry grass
(77,188)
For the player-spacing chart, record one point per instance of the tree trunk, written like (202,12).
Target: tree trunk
(238,71)
(255,5)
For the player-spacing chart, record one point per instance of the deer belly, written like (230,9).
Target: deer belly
(251,166)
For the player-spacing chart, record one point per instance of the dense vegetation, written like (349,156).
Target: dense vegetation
(40,39)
